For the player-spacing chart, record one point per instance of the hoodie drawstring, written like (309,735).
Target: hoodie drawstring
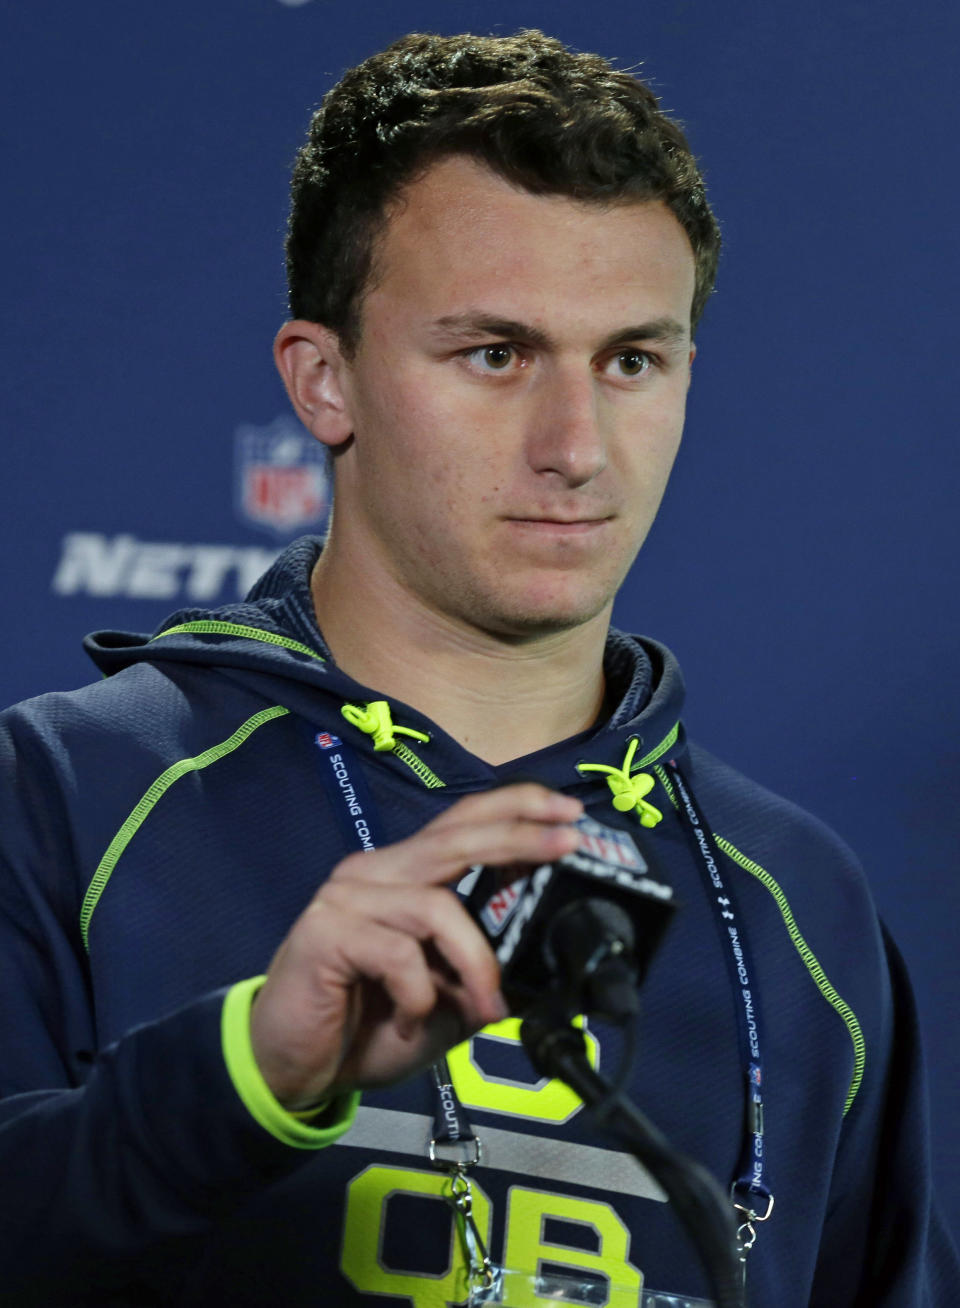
(628,791)
(374,719)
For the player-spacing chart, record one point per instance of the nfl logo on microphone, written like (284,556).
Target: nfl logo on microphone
(282,483)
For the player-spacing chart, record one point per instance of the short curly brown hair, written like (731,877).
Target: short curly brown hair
(543,117)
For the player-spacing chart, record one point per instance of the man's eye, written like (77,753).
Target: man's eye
(493,358)
(633,363)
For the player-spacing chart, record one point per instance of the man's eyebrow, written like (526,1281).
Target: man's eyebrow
(667,331)
(469,326)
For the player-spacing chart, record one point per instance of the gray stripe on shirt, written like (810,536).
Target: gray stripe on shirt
(392,1131)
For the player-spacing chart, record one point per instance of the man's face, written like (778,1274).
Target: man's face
(516,400)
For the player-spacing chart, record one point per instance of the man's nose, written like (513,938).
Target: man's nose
(565,430)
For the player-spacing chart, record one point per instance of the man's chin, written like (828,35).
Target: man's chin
(529,622)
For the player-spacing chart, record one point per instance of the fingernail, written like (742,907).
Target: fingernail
(500,1007)
(406,1028)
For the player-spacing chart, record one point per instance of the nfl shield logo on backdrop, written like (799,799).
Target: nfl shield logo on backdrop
(282,483)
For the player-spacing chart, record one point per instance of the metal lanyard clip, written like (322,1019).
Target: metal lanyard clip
(747,1231)
(461,1196)
(462,1164)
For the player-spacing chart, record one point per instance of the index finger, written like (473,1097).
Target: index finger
(523,824)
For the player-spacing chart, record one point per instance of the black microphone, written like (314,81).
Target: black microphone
(584,926)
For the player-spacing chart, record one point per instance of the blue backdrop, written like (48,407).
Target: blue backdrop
(803,566)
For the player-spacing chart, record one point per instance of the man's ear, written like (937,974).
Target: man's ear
(309,360)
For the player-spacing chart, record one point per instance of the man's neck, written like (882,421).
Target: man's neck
(500,699)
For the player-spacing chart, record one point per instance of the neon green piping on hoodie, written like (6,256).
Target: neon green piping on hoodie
(146,805)
(416,763)
(235,629)
(810,961)
(668,742)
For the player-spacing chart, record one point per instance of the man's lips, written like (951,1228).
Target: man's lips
(560,526)
(560,542)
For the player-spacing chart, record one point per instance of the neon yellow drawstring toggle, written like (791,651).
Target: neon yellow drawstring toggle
(376,721)
(628,791)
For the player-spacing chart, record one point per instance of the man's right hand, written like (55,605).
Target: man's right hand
(384,969)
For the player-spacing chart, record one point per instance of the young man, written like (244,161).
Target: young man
(227,868)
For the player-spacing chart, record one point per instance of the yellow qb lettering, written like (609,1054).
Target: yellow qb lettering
(366,1211)
(549,1101)
(527,1250)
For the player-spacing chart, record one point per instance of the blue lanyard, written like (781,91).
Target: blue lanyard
(751,1183)
(342,776)
(343,779)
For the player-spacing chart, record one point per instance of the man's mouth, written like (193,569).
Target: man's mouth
(560,525)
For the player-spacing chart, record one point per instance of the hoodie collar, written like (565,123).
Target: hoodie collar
(271,642)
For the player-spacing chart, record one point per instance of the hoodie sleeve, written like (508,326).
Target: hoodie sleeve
(117,1160)
(884,1242)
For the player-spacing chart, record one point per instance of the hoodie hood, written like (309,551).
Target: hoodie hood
(271,643)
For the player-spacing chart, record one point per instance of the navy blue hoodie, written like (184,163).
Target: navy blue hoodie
(159,833)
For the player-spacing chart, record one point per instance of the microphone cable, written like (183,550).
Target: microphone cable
(557,1049)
